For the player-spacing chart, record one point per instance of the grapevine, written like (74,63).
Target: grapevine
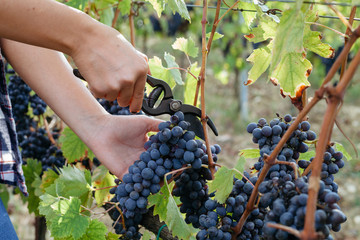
(178,187)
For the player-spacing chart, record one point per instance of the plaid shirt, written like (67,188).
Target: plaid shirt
(10,158)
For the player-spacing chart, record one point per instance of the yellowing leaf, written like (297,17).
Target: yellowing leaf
(187,46)
(312,39)
(291,74)
(158,6)
(261,59)
(250,153)
(289,35)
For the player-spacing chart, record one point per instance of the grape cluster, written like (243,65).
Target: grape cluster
(19,93)
(38,105)
(284,196)
(220,218)
(113,107)
(332,163)
(172,148)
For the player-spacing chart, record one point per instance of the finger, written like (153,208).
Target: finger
(124,96)
(153,124)
(138,95)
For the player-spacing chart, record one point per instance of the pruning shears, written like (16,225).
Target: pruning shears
(169,105)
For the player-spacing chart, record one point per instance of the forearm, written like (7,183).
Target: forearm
(45,23)
(49,74)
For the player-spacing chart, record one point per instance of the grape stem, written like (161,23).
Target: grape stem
(270,160)
(46,124)
(288,229)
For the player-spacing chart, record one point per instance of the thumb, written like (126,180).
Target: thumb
(152,124)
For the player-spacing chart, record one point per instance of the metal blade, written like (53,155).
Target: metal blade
(195,125)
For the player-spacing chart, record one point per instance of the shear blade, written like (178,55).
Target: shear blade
(195,125)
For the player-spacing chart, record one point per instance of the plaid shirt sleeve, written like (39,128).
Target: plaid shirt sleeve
(10,158)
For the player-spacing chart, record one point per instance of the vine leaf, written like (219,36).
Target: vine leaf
(289,35)
(112,236)
(32,170)
(48,179)
(248,16)
(166,207)
(102,178)
(222,184)
(265,30)
(190,84)
(250,153)
(96,231)
(125,7)
(312,39)
(170,60)
(180,7)
(291,74)
(216,36)
(72,146)
(159,71)
(261,59)
(187,46)
(158,5)
(69,222)
(306,156)
(72,182)
(339,147)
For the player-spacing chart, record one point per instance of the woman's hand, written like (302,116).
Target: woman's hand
(118,141)
(113,68)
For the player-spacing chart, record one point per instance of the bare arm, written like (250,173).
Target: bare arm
(112,67)
(116,140)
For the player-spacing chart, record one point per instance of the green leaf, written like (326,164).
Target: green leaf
(48,179)
(159,71)
(240,165)
(4,195)
(222,184)
(72,146)
(312,39)
(96,231)
(170,60)
(106,16)
(339,147)
(147,235)
(102,178)
(158,5)
(78,4)
(46,206)
(306,156)
(32,171)
(70,223)
(125,7)
(160,202)
(187,46)
(190,84)
(180,7)
(112,236)
(166,207)
(291,74)
(261,59)
(216,36)
(289,36)
(250,153)
(72,182)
